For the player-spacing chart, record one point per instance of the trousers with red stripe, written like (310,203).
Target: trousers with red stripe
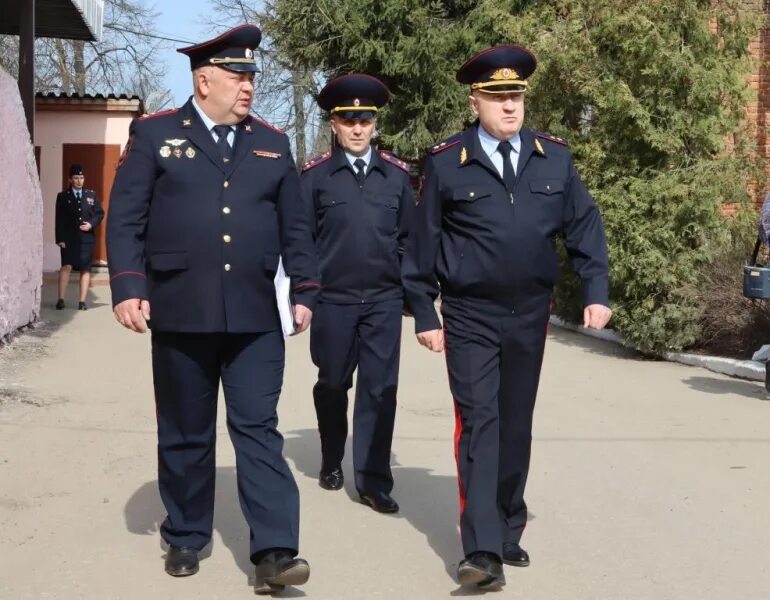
(493,360)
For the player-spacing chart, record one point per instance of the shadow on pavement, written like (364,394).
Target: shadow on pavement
(590,344)
(144,514)
(428,501)
(714,385)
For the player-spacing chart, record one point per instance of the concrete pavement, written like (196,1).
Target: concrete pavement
(649,480)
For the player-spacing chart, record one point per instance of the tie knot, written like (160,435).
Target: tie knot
(360,164)
(221,130)
(505,149)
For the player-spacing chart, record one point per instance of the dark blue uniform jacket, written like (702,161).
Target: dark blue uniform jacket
(360,231)
(200,237)
(473,239)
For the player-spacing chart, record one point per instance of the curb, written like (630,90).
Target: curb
(743,369)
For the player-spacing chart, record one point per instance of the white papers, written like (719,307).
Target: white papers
(283,297)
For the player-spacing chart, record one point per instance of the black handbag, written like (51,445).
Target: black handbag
(756,277)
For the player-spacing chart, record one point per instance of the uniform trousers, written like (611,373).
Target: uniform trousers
(367,336)
(187,370)
(493,361)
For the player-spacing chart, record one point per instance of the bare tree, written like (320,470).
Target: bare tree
(124,61)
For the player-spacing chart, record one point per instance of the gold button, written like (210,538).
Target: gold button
(227,267)
(226,210)
(227,184)
(226,238)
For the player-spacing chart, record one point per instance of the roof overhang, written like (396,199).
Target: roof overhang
(67,19)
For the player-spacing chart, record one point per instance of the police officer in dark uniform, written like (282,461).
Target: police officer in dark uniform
(78,214)
(205,202)
(361,203)
(495,197)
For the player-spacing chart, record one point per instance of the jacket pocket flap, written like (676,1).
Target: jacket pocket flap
(546,186)
(169,261)
(469,193)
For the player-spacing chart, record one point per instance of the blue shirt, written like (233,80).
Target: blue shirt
(210,124)
(489,143)
(367,158)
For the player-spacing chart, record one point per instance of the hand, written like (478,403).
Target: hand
(433,339)
(302,317)
(85,226)
(133,314)
(61,245)
(596,316)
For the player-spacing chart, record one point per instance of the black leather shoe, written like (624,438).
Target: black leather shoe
(331,480)
(481,569)
(181,561)
(60,304)
(278,569)
(515,555)
(380,501)
(82,306)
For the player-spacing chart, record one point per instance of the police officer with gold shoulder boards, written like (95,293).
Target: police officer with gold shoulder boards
(361,203)
(494,199)
(205,201)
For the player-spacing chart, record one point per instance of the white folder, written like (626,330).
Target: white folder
(283,298)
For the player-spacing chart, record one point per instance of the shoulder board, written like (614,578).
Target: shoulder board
(265,124)
(162,113)
(448,143)
(317,160)
(552,138)
(394,160)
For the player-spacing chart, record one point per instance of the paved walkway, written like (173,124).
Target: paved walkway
(649,480)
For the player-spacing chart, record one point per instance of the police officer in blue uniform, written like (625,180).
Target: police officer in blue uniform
(494,200)
(205,201)
(361,202)
(78,214)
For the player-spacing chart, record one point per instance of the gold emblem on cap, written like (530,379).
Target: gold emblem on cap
(190,152)
(506,74)
(463,155)
(165,151)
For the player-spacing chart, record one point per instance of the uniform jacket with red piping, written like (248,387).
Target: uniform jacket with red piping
(200,237)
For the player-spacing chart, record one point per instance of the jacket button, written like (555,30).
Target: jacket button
(227,267)
(226,210)
(226,238)
(227,184)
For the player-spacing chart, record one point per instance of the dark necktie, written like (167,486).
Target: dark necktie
(509,176)
(360,165)
(222,132)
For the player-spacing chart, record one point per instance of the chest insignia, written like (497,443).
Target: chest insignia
(266,154)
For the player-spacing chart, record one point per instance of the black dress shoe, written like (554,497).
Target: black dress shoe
(331,480)
(82,306)
(482,569)
(60,304)
(278,569)
(515,555)
(380,501)
(181,561)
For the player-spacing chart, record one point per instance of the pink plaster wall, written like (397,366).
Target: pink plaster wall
(21,216)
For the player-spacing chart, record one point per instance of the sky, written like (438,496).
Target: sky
(184,20)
